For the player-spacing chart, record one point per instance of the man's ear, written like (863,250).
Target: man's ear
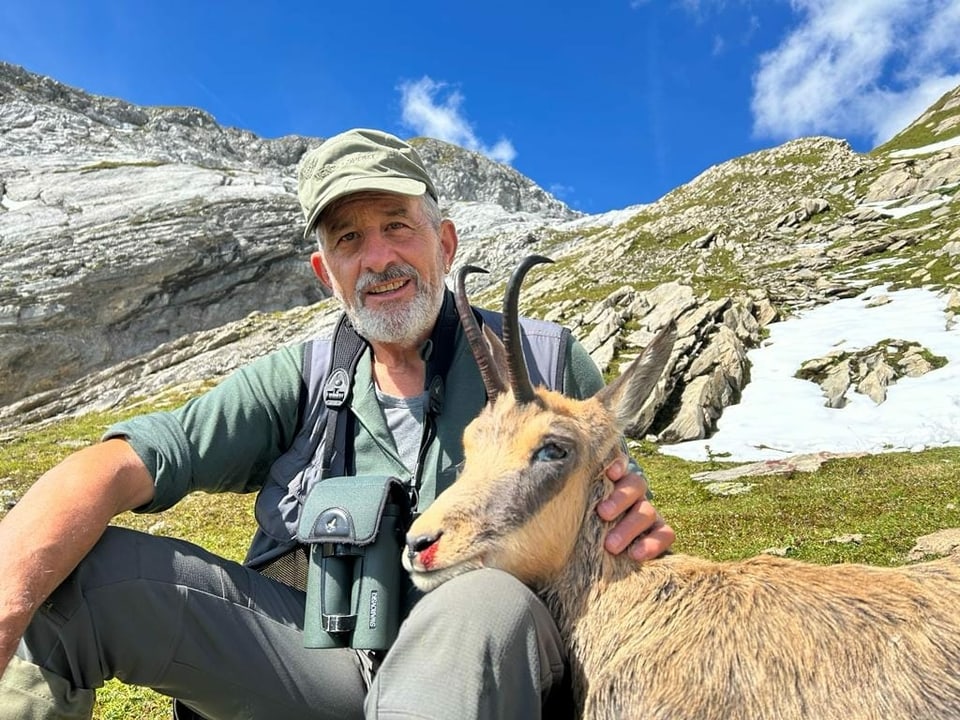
(319,269)
(448,241)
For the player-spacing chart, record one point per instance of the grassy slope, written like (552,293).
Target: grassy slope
(889,499)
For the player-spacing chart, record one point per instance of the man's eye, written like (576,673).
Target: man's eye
(397,225)
(347,238)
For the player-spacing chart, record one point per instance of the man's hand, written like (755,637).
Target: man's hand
(641,529)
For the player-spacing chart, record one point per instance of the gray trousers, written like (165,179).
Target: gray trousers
(166,614)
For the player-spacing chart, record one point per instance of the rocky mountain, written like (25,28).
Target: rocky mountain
(143,249)
(123,227)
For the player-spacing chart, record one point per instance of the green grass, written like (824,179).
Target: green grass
(889,499)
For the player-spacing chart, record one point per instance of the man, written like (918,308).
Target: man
(82,602)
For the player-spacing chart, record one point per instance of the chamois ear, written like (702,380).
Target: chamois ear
(625,395)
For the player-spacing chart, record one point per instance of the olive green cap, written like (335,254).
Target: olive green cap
(356,161)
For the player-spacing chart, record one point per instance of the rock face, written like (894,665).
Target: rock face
(122,227)
(147,248)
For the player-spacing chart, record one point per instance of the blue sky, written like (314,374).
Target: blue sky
(606,103)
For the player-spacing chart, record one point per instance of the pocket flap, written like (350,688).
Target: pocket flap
(347,509)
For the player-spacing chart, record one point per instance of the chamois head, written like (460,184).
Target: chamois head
(533,459)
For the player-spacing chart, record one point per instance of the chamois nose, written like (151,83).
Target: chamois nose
(419,543)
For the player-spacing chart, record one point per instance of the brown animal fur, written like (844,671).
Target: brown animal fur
(682,637)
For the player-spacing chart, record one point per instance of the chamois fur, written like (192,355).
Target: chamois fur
(682,637)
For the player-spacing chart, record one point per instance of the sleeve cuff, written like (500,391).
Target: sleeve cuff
(159,441)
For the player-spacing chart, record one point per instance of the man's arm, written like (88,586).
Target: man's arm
(46,534)
(224,440)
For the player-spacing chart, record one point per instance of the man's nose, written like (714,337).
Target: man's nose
(378,251)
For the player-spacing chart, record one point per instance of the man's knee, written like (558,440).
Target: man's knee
(490,613)
(120,607)
(494,630)
(486,593)
(111,563)
(29,692)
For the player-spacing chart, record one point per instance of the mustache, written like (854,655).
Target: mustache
(394,272)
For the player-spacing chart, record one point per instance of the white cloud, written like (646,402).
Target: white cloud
(561,191)
(432,109)
(907,105)
(865,68)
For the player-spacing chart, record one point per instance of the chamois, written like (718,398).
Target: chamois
(680,636)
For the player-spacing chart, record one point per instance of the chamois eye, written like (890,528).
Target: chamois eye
(549,452)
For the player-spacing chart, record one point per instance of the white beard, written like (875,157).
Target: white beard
(402,324)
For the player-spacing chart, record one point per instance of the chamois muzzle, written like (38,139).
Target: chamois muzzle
(419,543)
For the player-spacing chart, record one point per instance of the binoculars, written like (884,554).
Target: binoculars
(354,527)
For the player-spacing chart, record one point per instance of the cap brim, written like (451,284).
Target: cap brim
(399,185)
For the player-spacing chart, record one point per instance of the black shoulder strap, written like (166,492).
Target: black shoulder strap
(348,346)
(438,352)
(561,364)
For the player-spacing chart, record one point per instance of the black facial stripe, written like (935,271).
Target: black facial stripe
(521,495)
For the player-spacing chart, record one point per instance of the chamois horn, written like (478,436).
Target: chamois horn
(516,366)
(471,330)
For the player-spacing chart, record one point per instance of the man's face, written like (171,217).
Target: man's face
(385,262)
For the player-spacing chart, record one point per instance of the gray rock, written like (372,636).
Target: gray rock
(835,384)
(940,543)
(150,249)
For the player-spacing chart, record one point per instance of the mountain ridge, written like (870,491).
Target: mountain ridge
(207,218)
